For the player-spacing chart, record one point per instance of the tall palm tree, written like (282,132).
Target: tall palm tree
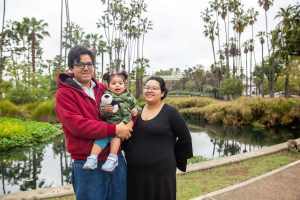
(251,49)
(209,29)
(223,11)
(252,17)
(261,35)
(246,50)
(239,24)
(215,6)
(266,4)
(36,32)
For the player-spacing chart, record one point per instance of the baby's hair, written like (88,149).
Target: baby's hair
(108,76)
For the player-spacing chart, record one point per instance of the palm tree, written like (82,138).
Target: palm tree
(261,35)
(209,29)
(36,32)
(246,50)
(239,24)
(215,6)
(251,49)
(252,17)
(266,4)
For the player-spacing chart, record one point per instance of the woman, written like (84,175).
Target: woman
(160,142)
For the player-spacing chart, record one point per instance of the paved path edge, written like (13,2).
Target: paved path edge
(227,189)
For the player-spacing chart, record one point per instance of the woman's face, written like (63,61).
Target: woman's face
(152,92)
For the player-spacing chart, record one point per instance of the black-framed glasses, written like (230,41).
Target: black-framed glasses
(81,65)
(152,89)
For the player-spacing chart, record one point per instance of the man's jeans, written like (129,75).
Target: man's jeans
(98,184)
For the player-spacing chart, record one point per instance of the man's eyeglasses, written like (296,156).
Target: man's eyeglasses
(152,89)
(81,65)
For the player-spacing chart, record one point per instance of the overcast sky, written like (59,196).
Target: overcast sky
(176,40)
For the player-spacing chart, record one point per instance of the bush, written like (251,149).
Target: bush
(45,112)
(16,133)
(8,109)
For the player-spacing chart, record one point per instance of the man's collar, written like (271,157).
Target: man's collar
(93,84)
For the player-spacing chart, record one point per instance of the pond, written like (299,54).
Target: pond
(49,165)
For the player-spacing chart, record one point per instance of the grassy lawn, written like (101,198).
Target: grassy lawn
(197,183)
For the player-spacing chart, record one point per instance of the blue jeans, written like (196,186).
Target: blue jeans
(98,184)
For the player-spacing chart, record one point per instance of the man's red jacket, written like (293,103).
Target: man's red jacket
(80,117)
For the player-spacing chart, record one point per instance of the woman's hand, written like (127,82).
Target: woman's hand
(134,112)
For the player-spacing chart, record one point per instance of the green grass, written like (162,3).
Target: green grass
(198,183)
(201,182)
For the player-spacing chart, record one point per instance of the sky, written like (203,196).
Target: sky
(177,38)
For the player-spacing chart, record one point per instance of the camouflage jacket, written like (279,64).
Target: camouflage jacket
(126,103)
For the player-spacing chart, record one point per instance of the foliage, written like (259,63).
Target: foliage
(45,112)
(186,93)
(187,102)
(265,112)
(232,86)
(16,133)
(8,109)
(197,159)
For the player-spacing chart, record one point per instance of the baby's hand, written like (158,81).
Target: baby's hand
(109,108)
(134,112)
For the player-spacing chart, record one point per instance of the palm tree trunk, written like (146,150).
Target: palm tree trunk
(262,71)
(213,48)
(286,79)
(250,74)
(1,47)
(246,74)
(61,33)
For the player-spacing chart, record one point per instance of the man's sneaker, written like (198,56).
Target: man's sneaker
(110,164)
(90,164)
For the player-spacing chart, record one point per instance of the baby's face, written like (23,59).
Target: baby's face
(117,85)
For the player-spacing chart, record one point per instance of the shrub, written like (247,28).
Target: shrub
(8,109)
(45,112)
(16,133)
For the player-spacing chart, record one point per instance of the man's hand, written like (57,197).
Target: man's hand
(134,112)
(109,108)
(123,131)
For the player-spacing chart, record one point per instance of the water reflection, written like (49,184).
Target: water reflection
(49,165)
(218,141)
(36,167)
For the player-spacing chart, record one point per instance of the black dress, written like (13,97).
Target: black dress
(154,150)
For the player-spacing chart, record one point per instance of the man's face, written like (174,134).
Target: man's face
(84,70)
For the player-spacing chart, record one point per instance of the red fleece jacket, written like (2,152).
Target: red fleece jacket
(80,117)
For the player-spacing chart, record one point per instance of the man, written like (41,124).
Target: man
(77,107)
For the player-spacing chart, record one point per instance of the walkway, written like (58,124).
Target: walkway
(280,184)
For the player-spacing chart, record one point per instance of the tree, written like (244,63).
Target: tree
(36,32)
(286,38)
(2,59)
(209,29)
(261,35)
(232,86)
(252,17)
